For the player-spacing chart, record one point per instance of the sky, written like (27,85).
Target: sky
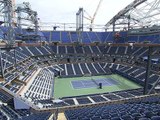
(64,11)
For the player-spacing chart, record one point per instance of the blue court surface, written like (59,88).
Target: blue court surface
(80,84)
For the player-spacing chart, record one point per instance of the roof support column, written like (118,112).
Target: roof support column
(150,49)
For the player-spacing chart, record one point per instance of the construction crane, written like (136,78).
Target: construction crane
(91,19)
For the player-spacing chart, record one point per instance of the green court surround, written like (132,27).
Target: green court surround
(63,87)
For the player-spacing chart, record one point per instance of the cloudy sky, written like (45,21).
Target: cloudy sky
(64,11)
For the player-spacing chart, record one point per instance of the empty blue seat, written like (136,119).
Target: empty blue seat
(155,118)
(144,118)
(148,114)
(126,117)
(96,118)
(105,116)
(136,116)
(115,118)
(85,118)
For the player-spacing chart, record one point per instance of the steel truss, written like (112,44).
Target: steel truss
(26,15)
(138,14)
(6,9)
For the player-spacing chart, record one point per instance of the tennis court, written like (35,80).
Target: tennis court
(65,87)
(93,83)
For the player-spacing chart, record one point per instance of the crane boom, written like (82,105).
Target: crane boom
(89,17)
(93,18)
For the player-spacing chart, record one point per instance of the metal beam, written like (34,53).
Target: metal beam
(8,20)
(148,70)
(79,24)
(2,70)
(31,15)
(134,4)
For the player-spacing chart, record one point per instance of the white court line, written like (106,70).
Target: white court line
(115,82)
(105,81)
(85,86)
(82,83)
(75,87)
(108,82)
(72,85)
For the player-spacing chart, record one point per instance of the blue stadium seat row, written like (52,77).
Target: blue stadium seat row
(147,108)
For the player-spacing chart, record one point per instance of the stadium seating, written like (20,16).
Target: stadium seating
(134,110)
(24,52)
(68,37)
(90,37)
(137,74)
(4,97)
(95,50)
(78,69)
(41,60)
(65,37)
(81,69)
(8,112)
(87,49)
(36,116)
(42,86)
(61,50)
(73,36)
(88,99)
(29,58)
(70,50)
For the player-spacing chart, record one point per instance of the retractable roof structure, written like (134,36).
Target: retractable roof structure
(138,14)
